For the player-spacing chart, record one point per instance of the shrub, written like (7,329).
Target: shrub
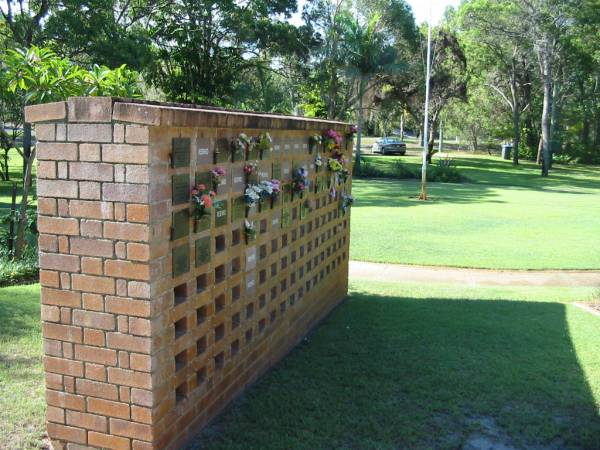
(26,268)
(400,171)
(444,173)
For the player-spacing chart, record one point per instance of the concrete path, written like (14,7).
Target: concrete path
(473,277)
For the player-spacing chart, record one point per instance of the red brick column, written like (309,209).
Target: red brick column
(127,365)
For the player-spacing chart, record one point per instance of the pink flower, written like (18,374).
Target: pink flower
(195,192)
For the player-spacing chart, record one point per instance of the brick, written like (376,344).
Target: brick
(96,372)
(65,400)
(49,278)
(92,247)
(89,152)
(46,170)
(65,281)
(136,134)
(61,131)
(63,244)
(63,366)
(63,207)
(124,360)
(125,192)
(138,252)
(57,188)
(142,415)
(119,173)
(92,266)
(53,381)
(96,389)
(122,305)
(91,319)
(126,231)
(62,332)
(136,113)
(138,289)
(139,445)
(118,133)
(123,324)
(125,154)
(121,250)
(122,288)
(65,433)
(89,190)
(131,429)
(87,421)
(56,151)
(48,243)
(130,378)
(125,394)
(127,269)
(108,441)
(53,348)
(138,213)
(91,228)
(92,302)
(91,209)
(87,132)
(122,341)
(50,313)
(94,337)
(93,284)
(89,109)
(57,225)
(120,212)
(63,170)
(54,414)
(139,327)
(142,363)
(142,397)
(46,112)
(90,171)
(47,206)
(67,349)
(45,132)
(108,408)
(64,263)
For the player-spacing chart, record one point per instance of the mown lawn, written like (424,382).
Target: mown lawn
(437,366)
(507,217)
(15,165)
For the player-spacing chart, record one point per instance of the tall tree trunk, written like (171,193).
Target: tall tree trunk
(474,139)
(516,135)
(26,147)
(402,126)
(22,224)
(361,91)
(546,112)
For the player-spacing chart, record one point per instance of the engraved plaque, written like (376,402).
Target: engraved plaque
(222,151)
(286,170)
(181,260)
(250,284)
(285,217)
(181,224)
(220,208)
(238,179)
(275,221)
(277,171)
(203,153)
(181,189)
(264,172)
(180,156)
(202,251)
(238,209)
(203,223)
(250,258)
(276,149)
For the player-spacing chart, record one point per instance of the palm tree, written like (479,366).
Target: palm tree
(369,56)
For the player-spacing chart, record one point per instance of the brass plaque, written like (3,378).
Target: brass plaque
(181,260)
(277,171)
(203,223)
(180,155)
(202,251)
(238,210)
(181,189)
(204,178)
(285,217)
(222,151)
(220,213)
(181,224)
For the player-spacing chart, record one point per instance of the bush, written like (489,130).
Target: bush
(15,272)
(444,172)
(400,171)
(367,170)
(25,269)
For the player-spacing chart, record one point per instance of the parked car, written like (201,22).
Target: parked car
(389,145)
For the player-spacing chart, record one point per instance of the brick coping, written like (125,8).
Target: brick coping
(154,113)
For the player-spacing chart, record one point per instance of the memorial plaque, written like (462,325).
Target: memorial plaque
(181,189)
(238,179)
(253,154)
(180,154)
(285,217)
(222,151)
(181,260)
(277,171)
(264,171)
(203,154)
(276,149)
(250,284)
(202,251)
(220,207)
(238,208)
(238,153)
(204,178)
(250,258)
(203,223)
(286,170)
(275,221)
(181,224)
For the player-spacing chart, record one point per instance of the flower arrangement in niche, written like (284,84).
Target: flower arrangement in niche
(313,142)
(318,161)
(331,139)
(243,142)
(202,200)
(218,173)
(252,195)
(300,180)
(334,165)
(249,230)
(269,189)
(346,202)
(250,168)
(352,132)
(264,143)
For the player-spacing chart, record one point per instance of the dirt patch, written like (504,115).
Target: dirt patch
(592,307)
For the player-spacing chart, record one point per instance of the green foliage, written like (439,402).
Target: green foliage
(444,171)
(26,268)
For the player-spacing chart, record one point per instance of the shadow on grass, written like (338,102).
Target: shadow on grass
(393,372)
(19,313)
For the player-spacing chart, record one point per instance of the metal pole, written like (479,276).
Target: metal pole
(441,143)
(423,195)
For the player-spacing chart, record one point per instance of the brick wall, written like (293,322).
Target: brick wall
(141,352)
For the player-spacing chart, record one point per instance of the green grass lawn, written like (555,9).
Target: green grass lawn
(395,366)
(437,366)
(506,217)
(15,165)
(22,405)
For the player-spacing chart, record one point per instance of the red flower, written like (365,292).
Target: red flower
(194,191)
(207,200)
